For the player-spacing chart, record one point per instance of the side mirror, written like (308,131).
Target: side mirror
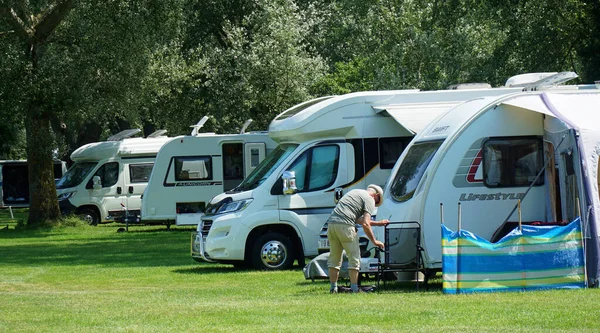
(289,182)
(97,182)
(338,193)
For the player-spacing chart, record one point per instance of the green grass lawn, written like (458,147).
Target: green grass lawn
(94,279)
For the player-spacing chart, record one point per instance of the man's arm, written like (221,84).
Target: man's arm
(365,221)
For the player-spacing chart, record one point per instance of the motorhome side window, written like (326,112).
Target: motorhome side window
(193,168)
(109,174)
(412,168)
(389,151)
(510,162)
(316,168)
(140,173)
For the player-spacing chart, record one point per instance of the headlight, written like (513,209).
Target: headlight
(66,195)
(234,206)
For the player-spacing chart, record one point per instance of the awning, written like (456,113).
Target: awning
(414,117)
(529,103)
(580,111)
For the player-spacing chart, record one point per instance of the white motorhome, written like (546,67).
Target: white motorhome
(14,181)
(190,170)
(346,142)
(476,161)
(108,178)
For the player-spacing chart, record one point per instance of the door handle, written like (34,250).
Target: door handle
(131,189)
(119,190)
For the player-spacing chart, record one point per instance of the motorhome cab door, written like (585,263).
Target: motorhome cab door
(110,195)
(136,179)
(317,171)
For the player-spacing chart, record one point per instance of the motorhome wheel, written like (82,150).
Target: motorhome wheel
(89,215)
(273,251)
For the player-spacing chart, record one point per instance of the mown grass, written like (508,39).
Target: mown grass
(95,279)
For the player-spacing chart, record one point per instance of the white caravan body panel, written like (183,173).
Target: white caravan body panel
(191,170)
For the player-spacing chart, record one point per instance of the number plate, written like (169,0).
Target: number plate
(324,243)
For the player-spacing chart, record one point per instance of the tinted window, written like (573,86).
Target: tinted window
(509,162)
(390,149)
(109,173)
(412,168)
(316,168)
(140,173)
(297,109)
(76,174)
(193,168)
(266,167)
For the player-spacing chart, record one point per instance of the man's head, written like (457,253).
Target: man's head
(376,193)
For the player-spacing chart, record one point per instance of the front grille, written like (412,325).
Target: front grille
(205,227)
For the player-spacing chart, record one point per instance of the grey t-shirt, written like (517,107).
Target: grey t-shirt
(352,206)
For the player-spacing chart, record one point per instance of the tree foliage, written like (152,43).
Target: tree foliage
(82,73)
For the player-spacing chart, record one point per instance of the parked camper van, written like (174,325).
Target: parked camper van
(14,181)
(274,216)
(190,170)
(539,146)
(108,178)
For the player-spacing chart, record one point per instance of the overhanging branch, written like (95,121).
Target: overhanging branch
(15,21)
(51,19)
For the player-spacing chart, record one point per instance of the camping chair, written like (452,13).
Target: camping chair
(401,238)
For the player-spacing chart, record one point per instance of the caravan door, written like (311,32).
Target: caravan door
(317,170)
(254,153)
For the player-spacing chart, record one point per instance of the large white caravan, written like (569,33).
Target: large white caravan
(484,155)
(190,170)
(14,181)
(108,178)
(346,141)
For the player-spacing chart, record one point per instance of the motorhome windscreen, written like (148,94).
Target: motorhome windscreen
(76,174)
(297,109)
(266,167)
(412,168)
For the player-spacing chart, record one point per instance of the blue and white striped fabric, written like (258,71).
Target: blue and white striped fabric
(538,257)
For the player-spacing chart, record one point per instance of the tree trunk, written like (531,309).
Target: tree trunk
(43,202)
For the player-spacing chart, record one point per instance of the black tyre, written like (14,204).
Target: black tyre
(89,215)
(273,251)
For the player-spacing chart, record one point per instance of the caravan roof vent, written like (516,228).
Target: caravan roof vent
(198,125)
(462,86)
(124,134)
(534,81)
(158,133)
(245,126)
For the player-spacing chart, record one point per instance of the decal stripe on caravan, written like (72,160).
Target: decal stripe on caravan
(470,172)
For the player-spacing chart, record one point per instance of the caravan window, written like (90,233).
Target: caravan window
(511,162)
(412,168)
(140,173)
(316,168)
(390,149)
(193,168)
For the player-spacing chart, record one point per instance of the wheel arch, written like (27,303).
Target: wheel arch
(282,228)
(92,207)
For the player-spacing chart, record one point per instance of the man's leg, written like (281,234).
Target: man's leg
(335,258)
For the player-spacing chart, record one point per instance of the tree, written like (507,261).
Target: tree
(33,27)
